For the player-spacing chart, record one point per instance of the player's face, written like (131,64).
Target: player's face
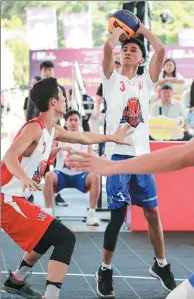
(60,107)
(166,95)
(73,123)
(131,55)
(47,72)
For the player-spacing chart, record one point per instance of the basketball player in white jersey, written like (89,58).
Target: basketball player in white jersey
(22,169)
(127,98)
(160,161)
(65,177)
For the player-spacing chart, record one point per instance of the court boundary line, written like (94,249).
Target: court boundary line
(93,275)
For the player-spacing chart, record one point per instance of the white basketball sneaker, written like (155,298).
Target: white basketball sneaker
(92,220)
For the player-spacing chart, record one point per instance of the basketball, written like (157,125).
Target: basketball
(124,19)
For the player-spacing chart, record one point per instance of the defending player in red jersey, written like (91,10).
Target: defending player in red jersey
(22,168)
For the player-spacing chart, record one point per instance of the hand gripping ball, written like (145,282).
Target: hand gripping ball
(124,19)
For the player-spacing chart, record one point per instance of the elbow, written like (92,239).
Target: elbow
(161,51)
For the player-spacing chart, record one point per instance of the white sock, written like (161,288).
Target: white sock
(91,211)
(51,292)
(162,262)
(22,270)
(106,266)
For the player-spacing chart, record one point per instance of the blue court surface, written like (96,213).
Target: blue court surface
(133,257)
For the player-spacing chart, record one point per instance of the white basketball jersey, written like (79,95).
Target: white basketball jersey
(61,156)
(127,101)
(34,166)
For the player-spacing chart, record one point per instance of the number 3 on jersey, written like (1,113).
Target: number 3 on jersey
(122,86)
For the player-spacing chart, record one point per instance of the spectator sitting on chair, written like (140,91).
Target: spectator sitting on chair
(170,74)
(170,108)
(65,177)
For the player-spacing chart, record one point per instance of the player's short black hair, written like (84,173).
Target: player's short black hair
(166,86)
(43,91)
(70,113)
(137,42)
(46,64)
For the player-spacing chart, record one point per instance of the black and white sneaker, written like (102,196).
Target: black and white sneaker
(105,283)
(165,276)
(60,201)
(22,288)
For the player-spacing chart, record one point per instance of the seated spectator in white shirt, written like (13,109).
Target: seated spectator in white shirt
(169,74)
(65,177)
(170,108)
(188,100)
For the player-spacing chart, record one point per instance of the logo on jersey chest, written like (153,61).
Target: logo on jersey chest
(132,113)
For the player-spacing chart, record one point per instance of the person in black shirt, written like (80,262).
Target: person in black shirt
(46,71)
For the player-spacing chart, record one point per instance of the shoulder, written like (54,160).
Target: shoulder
(176,102)
(179,76)
(157,103)
(114,76)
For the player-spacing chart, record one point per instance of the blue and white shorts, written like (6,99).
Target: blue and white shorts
(135,189)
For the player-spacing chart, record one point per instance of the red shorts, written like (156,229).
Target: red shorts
(24,222)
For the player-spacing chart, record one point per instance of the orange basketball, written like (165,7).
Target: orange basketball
(124,19)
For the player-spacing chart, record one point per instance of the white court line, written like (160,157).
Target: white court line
(92,275)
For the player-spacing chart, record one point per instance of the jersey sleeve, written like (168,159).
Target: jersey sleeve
(149,83)
(111,80)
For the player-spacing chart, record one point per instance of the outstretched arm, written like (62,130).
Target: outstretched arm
(160,161)
(91,138)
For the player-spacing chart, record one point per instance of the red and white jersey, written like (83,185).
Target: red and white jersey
(34,166)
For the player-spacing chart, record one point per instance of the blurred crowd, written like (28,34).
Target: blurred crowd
(163,102)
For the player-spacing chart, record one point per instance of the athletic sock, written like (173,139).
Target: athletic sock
(91,211)
(22,270)
(162,262)
(52,290)
(106,266)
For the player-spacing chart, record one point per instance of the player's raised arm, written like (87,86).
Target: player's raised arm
(159,52)
(108,58)
(91,138)
(29,135)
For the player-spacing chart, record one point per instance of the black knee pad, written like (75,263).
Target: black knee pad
(113,228)
(61,238)
(64,249)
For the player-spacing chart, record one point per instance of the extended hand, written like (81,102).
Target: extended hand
(30,185)
(141,30)
(86,162)
(121,133)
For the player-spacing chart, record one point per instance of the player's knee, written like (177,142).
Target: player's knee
(95,179)
(64,249)
(152,215)
(50,177)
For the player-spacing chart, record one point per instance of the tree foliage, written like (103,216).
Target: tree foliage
(14,18)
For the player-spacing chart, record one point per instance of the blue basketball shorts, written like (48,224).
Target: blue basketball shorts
(135,189)
(77,181)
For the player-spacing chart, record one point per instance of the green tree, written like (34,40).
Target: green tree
(14,18)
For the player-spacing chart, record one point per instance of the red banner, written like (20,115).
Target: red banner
(90,61)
